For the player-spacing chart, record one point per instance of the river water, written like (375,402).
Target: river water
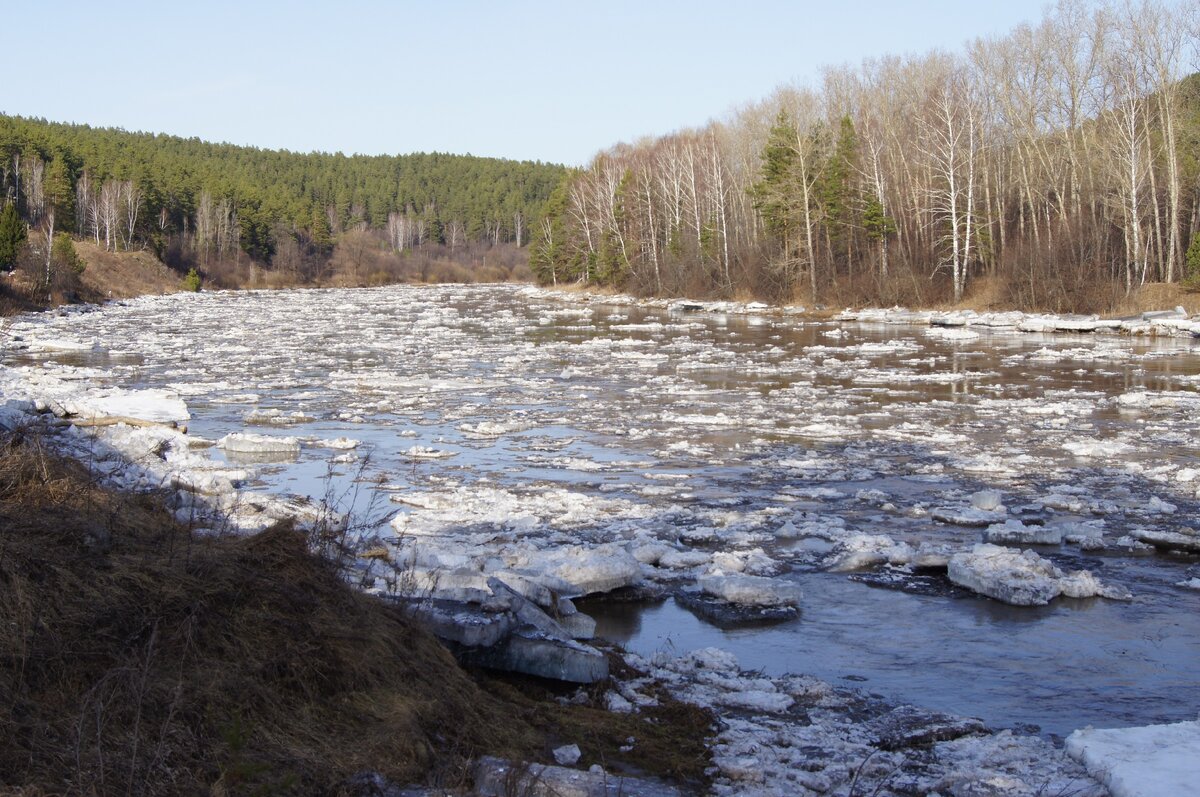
(508,408)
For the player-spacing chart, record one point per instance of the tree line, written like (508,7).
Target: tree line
(1058,165)
(200,204)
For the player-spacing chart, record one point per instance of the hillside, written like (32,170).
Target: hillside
(122,275)
(219,207)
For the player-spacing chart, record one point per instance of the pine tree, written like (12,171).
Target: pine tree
(839,194)
(875,220)
(1191,267)
(547,246)
(60,193)
(322,236)
(773,194)
(12,236)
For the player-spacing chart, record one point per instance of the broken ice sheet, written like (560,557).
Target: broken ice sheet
(555,412)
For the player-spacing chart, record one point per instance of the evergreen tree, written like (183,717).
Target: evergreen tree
(877,224)
(60,193)
(774,195)
(1191,267)
(322,236)
(269,187)
(12,236)
(839,195)
(64,256)
(547,246)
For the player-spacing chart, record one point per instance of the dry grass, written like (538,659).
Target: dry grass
(125,274)
(1160,296)
(138,659)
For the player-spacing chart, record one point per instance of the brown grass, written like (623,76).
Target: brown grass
(122,275)
(138,659)
(1160,296)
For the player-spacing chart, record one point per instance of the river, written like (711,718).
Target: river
(509,408)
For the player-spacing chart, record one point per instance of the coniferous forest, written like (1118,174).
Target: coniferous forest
(219,208)
(1056,167)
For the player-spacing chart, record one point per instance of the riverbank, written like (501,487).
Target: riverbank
(1156,310)
(1170,309)
(243,663)
(144,657)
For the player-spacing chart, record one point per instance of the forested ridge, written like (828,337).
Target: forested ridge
(1061,162)
(214,206)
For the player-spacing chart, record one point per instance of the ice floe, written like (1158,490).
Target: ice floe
(1023,578)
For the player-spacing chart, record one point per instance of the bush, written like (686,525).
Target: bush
(192,281)
(64,255)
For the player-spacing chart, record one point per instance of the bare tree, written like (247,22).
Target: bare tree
(110,212)
(131,204)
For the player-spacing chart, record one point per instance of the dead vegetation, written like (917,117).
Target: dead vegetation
(136,658)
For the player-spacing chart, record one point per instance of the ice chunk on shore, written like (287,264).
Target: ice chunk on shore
(568,755)
(146,405)
(590,570)
(1150,761)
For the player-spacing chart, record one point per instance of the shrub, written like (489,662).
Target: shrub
(64,255)
(192,281)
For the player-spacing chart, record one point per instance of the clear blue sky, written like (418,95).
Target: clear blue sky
(554,81)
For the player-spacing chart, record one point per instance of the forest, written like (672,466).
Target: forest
(227,210)
(1055,167)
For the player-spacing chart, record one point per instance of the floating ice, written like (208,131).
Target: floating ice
(751,590)
(1014,532)
(790,449)
(968,515)
(1022,578)
(1181,539)
(986,500)
(244,443)
(338,443)
(860,551)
